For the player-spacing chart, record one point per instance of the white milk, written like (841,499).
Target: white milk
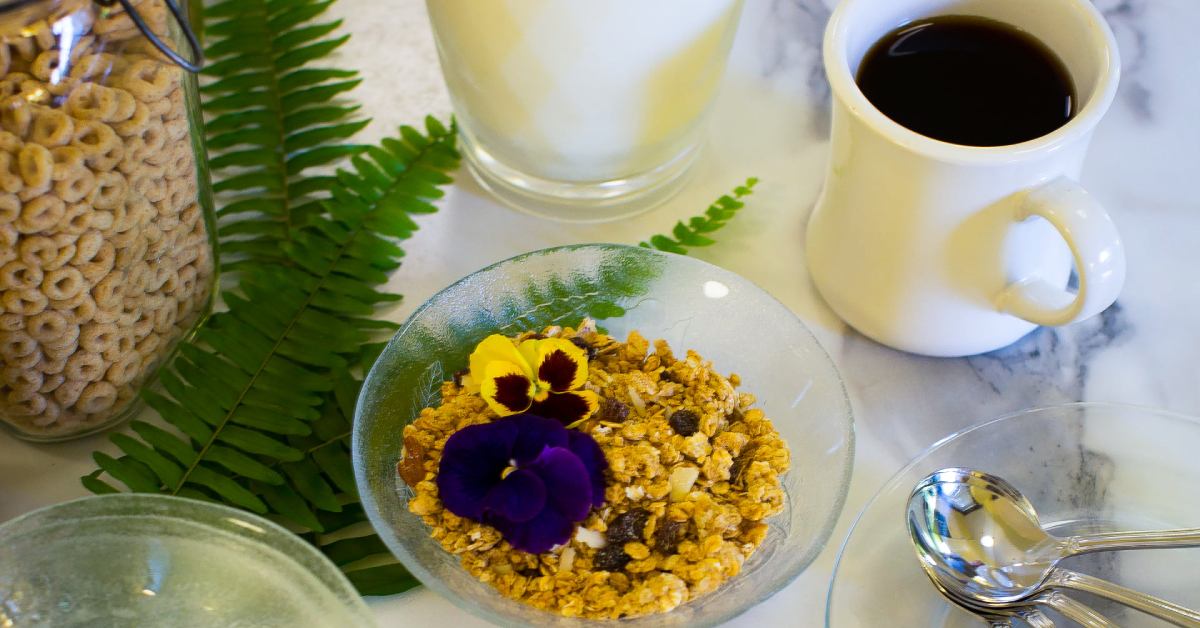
(583,90)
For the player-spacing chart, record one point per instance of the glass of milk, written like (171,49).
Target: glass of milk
(582,110)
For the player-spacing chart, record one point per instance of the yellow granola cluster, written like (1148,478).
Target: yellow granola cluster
(701,498)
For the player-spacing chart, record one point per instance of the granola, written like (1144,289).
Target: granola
(693,472)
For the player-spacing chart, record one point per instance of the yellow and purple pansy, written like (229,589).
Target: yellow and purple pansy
(542,376)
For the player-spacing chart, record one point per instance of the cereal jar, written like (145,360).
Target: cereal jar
(107,250)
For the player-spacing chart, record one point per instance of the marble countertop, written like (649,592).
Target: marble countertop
(771,121)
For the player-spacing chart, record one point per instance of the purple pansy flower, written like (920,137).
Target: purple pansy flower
(527,476)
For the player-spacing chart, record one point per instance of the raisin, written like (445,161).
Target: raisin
(740,463)
(411,467)
(529,572)
(611,558)
(684,422)
(668,535)
(459,375)
(585,345)
(666,376)
(628,526)
(613,411)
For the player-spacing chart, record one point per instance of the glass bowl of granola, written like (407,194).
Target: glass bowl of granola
(600,432)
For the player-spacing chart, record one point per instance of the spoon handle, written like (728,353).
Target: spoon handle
(1035,618)
(1075,611)
(1157,607)
(1110,541)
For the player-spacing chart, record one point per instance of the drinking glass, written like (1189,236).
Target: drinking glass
(582,111)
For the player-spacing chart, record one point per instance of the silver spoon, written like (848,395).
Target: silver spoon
(981,538)
(1027,609)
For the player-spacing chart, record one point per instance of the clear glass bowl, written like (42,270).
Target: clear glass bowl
(1086,467)
(154,560)
(689,303)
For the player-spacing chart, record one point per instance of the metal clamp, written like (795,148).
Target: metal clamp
(193,42)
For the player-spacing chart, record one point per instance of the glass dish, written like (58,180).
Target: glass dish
(154,560)
(1087,467)
(689,303)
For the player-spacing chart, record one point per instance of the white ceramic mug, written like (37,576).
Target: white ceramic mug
(950,250)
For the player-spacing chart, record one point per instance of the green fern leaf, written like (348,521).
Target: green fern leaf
(690,234)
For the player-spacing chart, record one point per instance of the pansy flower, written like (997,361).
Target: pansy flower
(527,476)
(540,376)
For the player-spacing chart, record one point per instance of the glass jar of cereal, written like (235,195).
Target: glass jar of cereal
(107,248)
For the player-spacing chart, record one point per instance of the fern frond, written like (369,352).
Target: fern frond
(261,404)
(273,116)
(692,233)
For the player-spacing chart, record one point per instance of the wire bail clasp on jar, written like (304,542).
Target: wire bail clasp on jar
(197,61)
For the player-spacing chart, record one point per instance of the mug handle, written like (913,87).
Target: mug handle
(1095,246)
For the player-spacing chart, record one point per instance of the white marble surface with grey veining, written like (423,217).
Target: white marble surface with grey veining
(771,121)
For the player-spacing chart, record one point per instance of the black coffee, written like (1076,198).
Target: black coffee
(968,80)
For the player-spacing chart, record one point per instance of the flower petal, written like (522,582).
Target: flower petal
(590,454)
(535,434)
(538,535)
(561,366)
(505,388)
(568,484)
(567,407)
(472,461)
(518,497)
(496,348)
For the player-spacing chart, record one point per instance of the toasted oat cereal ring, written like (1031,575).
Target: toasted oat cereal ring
(127,318)
(122,240)
(132,126)
(20,275)
(101,265)
(98,337)
(110,192)
(41,214)
(63,283)
(49,416)
(42,34)
(5,59)
(26,302)
(37,250)
(47,326)
(87,247)
(150,185)
(126,107)
(52,367)
(46,67)
(26,381)
(11,322)
(16,115)
(102,147)
(97,397)
(99,64)
(124,345)
(68,392)
(124,370)
(30,405)
(68,162)
(109,291)
(152,233)
(51,128)
(149,81)
(181,165)
(107,315)
(10,143)
(74,189)
(27,361)
(153,136)
(50,382)
(81,312)
(36,165)
(92,101)
(16,344)
(10,175)
(9,236)
(171,285)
